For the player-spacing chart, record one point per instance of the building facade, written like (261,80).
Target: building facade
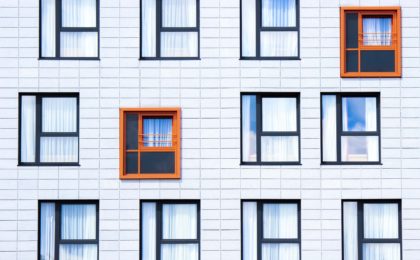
(303,112)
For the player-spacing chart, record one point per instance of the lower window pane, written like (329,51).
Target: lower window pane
(279,149)
(180,251)
(179,44)
(59,149)
(132,163)
(78,252)
(384,251)
(279,44)
(280,251)
(79,44)
(359,149)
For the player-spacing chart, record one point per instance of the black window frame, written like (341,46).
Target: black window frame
(260,226)
(59,28)
(58,240)
(160,29)
(360,225)
(339,98)
(259,133)
(159,239)
(259,28)
(38,130)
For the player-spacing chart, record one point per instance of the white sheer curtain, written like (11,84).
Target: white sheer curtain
(280,220)
(157,132)
(78,252)
(179,44)
(179,221)
(372,141)
(350,250)
(249,129)
(179,251)
(59,149)
(388,251)
(78,13)
(279,114)
(279,148)
(279,44)
(148,229)
(48,28)
(79,44)
(249,230)
(28,129)
(329,128)
(278,13)
(283,251)
(248,28)
(377,31)
(47,231)
(148,28)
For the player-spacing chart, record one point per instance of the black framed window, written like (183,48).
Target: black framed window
(270,29)
(170,29)
(271,229)
(68,230)
(170,230)
(371,229)
(350,128)
(48,129)
(270,128)
(69,29)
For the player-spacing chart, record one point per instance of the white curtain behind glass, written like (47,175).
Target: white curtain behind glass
(385,251)
(279,148)
(48,28)
(280,220)
(350,250)
(79,44)
(283,251)
(179,44)
(157,132)
(380,220)
(78,13)
(78,221)
(28,129)
(279,114)
(78,252)
(278,13)
(148,28)
(372,142)
(279,44)
(377,31)
(148,229)
(179,13)
(249,230)
(249,129)
(179,221)
(179,251)
(248,28)
(47,231)
(329,128)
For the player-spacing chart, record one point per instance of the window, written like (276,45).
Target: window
(49,129)
(170,29)
(68,230)
(370,42)
(350,128)
(170,230)
(371,230)
(150,143)
(270,29)
(270,230)
(69,29)
(270,128)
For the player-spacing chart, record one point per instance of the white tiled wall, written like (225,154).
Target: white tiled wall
(208,91)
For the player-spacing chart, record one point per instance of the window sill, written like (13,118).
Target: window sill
(271,164)
(71,58)
(269,58)
(48,164)
(170,59)
(350,163)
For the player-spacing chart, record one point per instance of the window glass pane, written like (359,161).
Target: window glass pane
(179,13)
(279,149)
(78,252)
(248,28)
(78,13)
(148,28)
(78,221)
(359,114)
(249,228)
(380,220)
(329,128)
(179,221)
(132,131)
(179,44)
(148,229)
(179,251)
(280,251)
(350,234)
(249,129)
(132,163)
(359,148)
(386,251)
(278,13)
(48,28)
(47,231)
(377,31)
(28,129)
(280,220)
(59,149)
(59,115)
(279,114)
(157,132)
(279,44)
(79,44)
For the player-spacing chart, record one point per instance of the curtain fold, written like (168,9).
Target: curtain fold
(279,148)
(377,31)
(271,251)
(59,149)
(248,28)
(157,132)
(48,28)
(179,221)
(179,44)
(350,235)
(280,220)
(279,114)
(179,13)
(380,220)
(179,251)
(78,221)
(249,229)
(28,129)
(148,28)
(59,114)
(78,252)
(78,13)
(79,44)
(388,251)
(249,129)
(148,230)
(278,13)
(47,231)
(279,44)
(329,128)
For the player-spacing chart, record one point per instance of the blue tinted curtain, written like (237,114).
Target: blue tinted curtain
(377,31)
(157,132)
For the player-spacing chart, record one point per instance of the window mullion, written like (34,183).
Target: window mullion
(158,228)
(339,126)
(57,28)
(158,26)
(360,229)
(258,28)
(259,124)
(57,229)
(38,128)
(260,226)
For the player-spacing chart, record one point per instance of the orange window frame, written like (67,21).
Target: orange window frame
(392,11)
(175,114)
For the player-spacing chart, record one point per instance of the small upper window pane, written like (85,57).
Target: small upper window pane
(280,220)
(179,221)
(279,114)
(78,13)
(59,115)
(359,114)
(380,220)
(179,13)
(157,132)
(78,221)
(377,31)
(279,13)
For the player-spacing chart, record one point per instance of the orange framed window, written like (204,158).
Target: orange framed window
(370,42)
(150,140)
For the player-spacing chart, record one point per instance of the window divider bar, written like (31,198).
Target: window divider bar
(279,29)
